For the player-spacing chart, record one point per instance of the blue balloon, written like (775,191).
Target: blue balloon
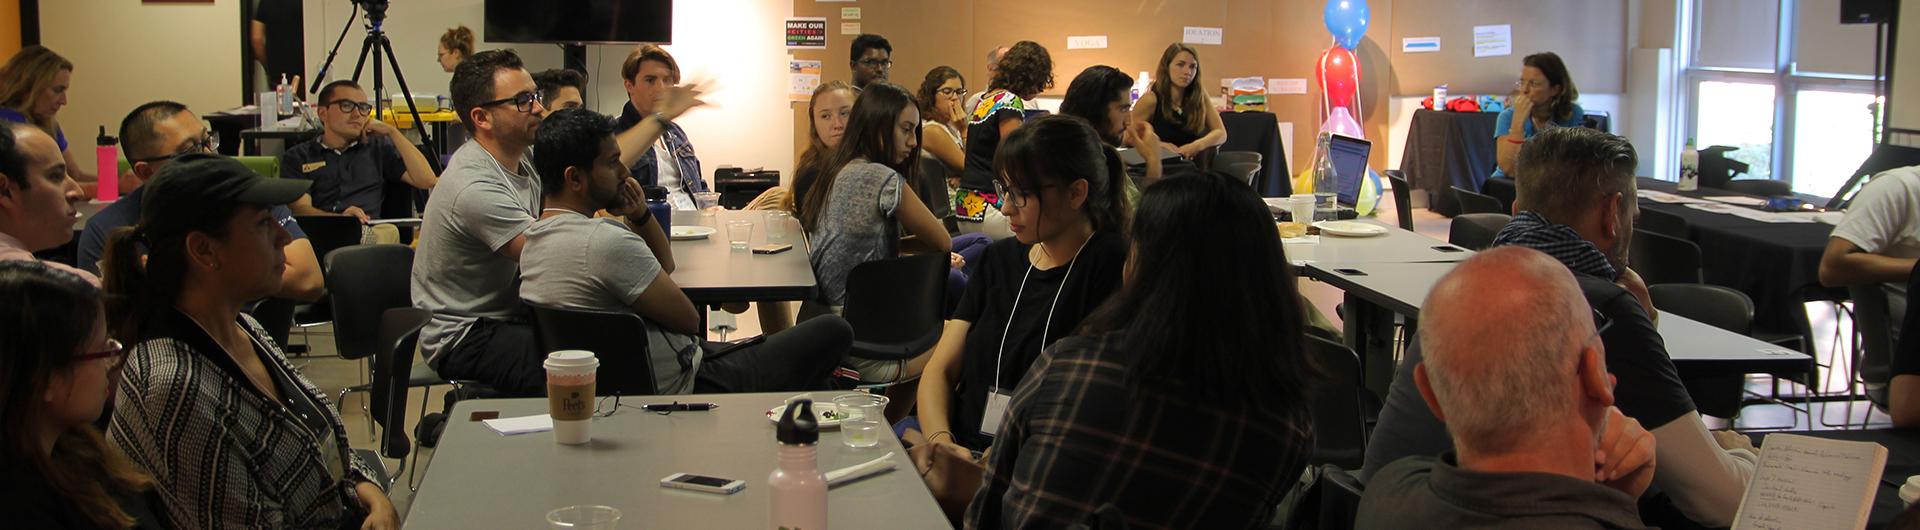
(1347,21)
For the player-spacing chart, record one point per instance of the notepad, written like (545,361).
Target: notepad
(521,425)
(1807,483)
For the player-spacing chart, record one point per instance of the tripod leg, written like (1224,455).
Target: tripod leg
(365,47)
(426,138)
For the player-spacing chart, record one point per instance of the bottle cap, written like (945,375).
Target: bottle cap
(105,140)
(797,426)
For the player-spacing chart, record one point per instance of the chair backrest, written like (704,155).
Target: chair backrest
(1872,318)
(266,166)
(1245,170)
(1402,197)
(896,306)
(1475,231)
(392,370)
(365,281)
(1339,430)
(1339,498)
(617,339)
(1714,305)
(1664,259)
(1475,202)
(1662,223)
(328,233)
(931,186)
(1761,187)
(1235,157)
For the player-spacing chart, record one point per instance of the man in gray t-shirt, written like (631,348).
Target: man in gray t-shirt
(467,266)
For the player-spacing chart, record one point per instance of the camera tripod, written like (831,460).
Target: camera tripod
(376,11)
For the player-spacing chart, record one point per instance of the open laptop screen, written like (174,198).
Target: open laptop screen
(1349,165)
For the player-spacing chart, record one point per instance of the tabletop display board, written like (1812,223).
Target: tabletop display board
(1274,39)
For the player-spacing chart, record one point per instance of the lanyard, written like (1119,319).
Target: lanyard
(1015,310)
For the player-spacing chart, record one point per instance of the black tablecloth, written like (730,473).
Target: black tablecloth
(1448,149)
(1260,132)
(1903,460)
(1776,264)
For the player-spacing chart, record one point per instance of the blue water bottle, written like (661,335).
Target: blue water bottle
(662,210)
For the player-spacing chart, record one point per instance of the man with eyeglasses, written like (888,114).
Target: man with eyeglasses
(354,159)
(1577,204)
(872,58)
(151,137)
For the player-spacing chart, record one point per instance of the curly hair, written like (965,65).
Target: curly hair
(458,39)
(1025,70)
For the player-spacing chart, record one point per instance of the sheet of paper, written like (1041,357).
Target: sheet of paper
(850,13)
(1420,45)
(1752,214)
(803,77)
(520,425)
(1200,35)
(1086,42)
(1668,198)
(1286,85)
(1493,41)
(849,28)
(1807,483)
(1741,200)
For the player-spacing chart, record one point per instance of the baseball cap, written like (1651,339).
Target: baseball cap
(197,182)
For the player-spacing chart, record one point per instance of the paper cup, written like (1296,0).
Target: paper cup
(570,393)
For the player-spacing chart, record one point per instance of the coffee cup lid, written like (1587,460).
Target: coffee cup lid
(565,359)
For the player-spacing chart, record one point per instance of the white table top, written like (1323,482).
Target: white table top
(479,479)
(1396,246)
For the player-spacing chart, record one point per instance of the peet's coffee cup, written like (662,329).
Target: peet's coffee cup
(570,382)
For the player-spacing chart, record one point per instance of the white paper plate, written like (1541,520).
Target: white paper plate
(1350,229)
(827,414)
(684,233)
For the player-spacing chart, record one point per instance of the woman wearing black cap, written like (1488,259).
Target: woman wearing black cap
(233,435)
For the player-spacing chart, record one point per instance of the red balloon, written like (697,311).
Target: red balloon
(1339,76)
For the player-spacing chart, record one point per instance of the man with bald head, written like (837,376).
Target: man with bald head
(1514,369)
(36,197)
(1577,203)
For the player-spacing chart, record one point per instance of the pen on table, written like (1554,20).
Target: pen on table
(678,406)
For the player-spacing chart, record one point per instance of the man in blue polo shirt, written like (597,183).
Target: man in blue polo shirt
(151,137)
(354,159)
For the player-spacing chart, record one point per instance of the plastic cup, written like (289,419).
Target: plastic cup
(570,387)
(739,234)
(1300,205)
(584,517)
(777,226)
(864,418)
(707,202)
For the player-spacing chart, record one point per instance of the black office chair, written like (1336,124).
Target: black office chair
(326,233)
(1761,187)
(931,186)
(1331,501)
(1475,231)
(617,339)
(1716,306)
(896,306)
(1664,259)
(1402,197)
(393,367)
(1663,223)
(1474,202)
(1339,405)
(367,282)
(1235,157)
(1245,171)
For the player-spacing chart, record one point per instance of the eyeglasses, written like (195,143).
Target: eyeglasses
(207,144)
(523,101)
(1525,84)
(114,350)
(876,63)
(1015,196)
(349,106)
(953,92)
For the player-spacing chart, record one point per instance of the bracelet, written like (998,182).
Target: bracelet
(662,117)
(646,216)
(1516,141)
(930,436)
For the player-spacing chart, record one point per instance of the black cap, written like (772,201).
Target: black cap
(797,426)
(194,182)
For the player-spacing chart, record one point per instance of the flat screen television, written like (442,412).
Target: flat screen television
(580,21)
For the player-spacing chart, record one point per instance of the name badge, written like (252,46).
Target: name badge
(310,166)
(996,411)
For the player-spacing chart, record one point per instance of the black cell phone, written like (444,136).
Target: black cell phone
(1449,248)
(772,249)
(1351,272)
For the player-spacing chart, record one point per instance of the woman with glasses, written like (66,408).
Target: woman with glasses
(854,213)
(57,369)
(1543,99)
(1060,189)
(1022,73)
(943,121)
(33,89)
(1177,107)
(233,435)
(455,45)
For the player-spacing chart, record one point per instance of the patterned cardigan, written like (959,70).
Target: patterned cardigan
(223,454)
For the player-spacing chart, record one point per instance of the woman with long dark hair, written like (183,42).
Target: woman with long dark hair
(1545,99)
(1177,106)
(57,367)
(1152,408)
(1022,73)
(232,433)
(1099,95)
(854,213)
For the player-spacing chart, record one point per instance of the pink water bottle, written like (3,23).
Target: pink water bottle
(799,491)
(107,160)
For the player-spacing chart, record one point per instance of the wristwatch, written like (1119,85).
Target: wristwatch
(663,119)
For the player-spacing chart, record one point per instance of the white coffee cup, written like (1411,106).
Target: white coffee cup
(570,394)
(1300,205)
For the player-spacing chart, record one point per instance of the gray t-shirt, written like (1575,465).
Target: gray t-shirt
(575,262)
(458,273)
(856,227)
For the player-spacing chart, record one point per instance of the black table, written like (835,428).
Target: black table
(1260,132)
(1903,460)
(1448,149)
(1776,264)
(288,135)
(712,273)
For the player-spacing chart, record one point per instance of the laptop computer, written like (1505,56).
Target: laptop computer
(1349,156)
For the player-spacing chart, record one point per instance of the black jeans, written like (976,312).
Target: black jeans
(500,353)
(801,358)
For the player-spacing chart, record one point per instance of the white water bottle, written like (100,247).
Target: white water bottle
(284,96)
(1689,167)
(798,490)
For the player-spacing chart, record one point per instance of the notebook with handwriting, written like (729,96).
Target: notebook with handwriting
(1807,483)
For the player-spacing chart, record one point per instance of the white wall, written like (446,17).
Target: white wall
(125,53)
